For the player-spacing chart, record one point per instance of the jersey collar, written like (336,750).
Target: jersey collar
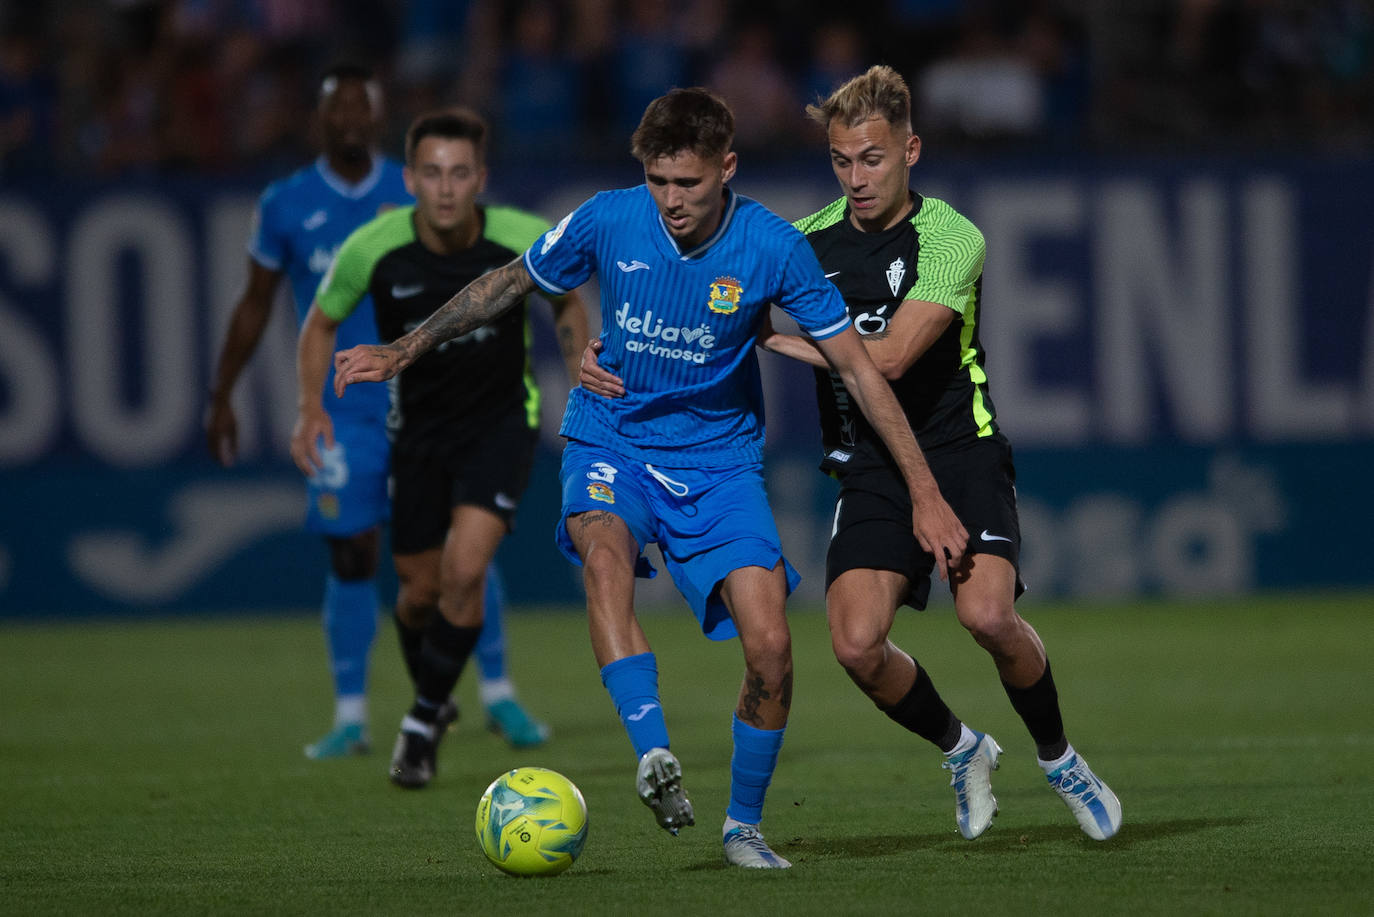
(916,201)
(728,214)
(343,188)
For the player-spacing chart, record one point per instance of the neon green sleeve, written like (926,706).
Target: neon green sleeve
(345,283)
(515,229)
(951,259)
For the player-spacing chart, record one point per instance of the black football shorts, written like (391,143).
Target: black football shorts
(489,468)
(872,522)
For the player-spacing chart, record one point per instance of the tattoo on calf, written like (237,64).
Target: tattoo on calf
(755,694)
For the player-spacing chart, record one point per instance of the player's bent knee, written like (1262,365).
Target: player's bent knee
(992,626)
(767,649)
(856,656)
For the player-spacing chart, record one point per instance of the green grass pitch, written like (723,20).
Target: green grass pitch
(155,767)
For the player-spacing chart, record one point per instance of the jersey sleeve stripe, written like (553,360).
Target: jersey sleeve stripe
(544,284)
(830,330)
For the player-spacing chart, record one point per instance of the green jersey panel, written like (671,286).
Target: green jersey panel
(348,277)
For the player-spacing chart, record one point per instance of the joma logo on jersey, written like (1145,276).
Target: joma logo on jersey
(725,294)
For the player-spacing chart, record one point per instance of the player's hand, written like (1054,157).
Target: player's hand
(595,379)
(365,363)
(222,431)
(939,531)
(312,426)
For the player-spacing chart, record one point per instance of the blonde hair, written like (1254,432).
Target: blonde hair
(880,92)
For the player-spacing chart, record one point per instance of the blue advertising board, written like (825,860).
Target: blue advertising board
(1181,352)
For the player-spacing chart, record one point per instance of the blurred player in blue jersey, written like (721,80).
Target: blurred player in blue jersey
(688,270)
(300,222)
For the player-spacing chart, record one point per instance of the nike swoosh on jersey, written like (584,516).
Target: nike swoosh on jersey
(986,537)
(832,274)
(399,291)
(633,266)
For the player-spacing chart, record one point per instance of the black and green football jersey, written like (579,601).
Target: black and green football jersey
(448,393)
(934,255)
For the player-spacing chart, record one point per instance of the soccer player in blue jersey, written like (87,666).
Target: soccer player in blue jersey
(688,270)
(301,221)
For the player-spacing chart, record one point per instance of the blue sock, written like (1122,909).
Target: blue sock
(751,769)
(491,645)
(350,624)
(633,686)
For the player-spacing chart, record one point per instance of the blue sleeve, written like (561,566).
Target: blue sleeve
(564,258)
(267,244)
(808,296)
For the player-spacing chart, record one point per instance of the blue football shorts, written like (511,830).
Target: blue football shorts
(348,494)
(706,522)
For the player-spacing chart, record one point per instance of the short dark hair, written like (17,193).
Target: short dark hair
(695,120)
(452,124)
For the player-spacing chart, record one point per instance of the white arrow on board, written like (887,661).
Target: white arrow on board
(212,522)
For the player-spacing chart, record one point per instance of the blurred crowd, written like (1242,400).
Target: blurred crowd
(111,87)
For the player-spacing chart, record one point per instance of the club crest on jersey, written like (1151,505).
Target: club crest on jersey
(895,272)
(600,493)
(725,294)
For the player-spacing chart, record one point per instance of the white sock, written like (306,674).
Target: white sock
(1050,767)
(350,708)
(966,741)
(495,690)
(411,724)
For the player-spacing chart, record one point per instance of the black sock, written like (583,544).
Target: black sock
(410,639)
(925,713)
(443,653)
(1038,707)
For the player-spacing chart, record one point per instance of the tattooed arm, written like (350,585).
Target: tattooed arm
(481,301)
(570,324)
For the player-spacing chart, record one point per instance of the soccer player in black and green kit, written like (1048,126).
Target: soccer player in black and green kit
(463,419)
(910,269)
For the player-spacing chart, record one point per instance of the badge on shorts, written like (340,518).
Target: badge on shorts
(601,493)
(328,505)
(725,294)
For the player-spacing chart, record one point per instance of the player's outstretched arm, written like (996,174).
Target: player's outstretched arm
(936,527)
(486,298)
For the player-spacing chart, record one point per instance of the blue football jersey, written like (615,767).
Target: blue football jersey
(680,327)
(301,221)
